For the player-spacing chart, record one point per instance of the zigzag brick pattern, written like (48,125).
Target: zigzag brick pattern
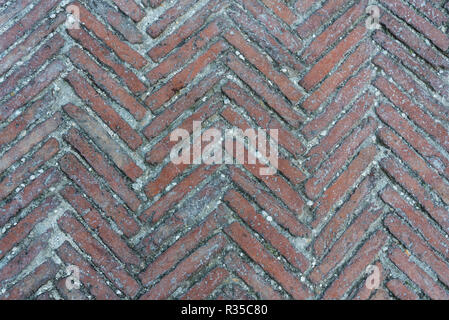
(86,178)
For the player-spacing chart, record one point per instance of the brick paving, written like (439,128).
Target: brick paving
(359,205)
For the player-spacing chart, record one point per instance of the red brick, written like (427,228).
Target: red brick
(79,174)
(258,223)
(348,241)
(358,264)
(99,225)
(264,66)
(415,162)
(208,284)
(344,182)
(418,247)
(270,264)
(186,52)
(45,153)
(100,256)
(105,56)
(32,89)
(195,261)
(47,51)
(274,100)
(185,31)
(168,17)
(32,191)
(104,141)
(20,231)
(348,148)
(120,48)
(160,207)
(280,214)
(401,291)
(88,276)
(107,114)
(101,166)
(34,137)
(31,283)
(251,277)
(324,41)
(411,184)
(418,275)
(131,9)
(287,38)
(26,23)
(256,33)
(344,71)
(19,51)
(181,79)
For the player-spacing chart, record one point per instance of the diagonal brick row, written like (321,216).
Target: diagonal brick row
(86,178)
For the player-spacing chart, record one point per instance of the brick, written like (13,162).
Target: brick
(34,87)
(16,265)
(160,207)
(82,61)
(186,52)
(20,231)
(47,51)
(275,101)
(195,261)
(287,38)
(322,42)
(30,115)
(29,141)
(264,66)
(344,71)
(103,139)
(131,8)
(107,114)
(257,34)
(32,191)
(95,221)
(203,289)
(26,23)
(110,39)
(90,278)
(401,291)
(417,246)
(417,275)
(173,255)
(105,56)
(45,153)
(357,266)
(411,184)
(258,223)
(251,277)
(185,31)
(415,162)
(259,254)
(42,274)
(324,66)
(347,242)
(337,160)
(99,255)
(19,51)
(79,174)
(101,166)
(156,100)
(421,24)
(280,214)
(343,183)
(168,17)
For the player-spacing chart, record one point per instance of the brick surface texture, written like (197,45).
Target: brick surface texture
(85,173)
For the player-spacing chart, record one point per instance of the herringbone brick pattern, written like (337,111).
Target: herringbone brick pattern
(86,178)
